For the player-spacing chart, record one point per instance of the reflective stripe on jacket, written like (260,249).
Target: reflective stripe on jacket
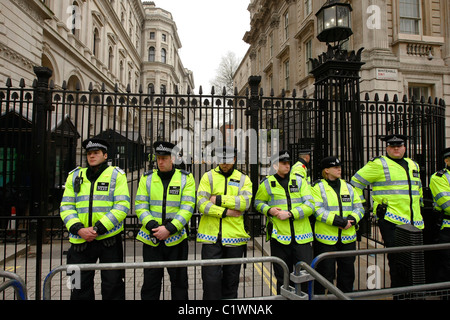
(176,206)
(328,205)
(390,182)
(298,200)
(236,194)
(440,189)
(107,201)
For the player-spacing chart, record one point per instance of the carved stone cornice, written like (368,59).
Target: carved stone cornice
(35,9)
(15,58)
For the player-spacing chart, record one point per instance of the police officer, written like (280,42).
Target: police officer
(285,199)
(338,210)
(301,166)
(397,192)
(440,189)
(165,202)
(223,195)
(96,200)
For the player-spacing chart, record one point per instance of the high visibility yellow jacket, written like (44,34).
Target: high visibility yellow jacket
(107,201)
(297,200)
(175,204)
(391,183)
(235,193)
(329,205)
(440,189)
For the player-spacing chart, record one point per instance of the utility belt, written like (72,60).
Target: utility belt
(107,243)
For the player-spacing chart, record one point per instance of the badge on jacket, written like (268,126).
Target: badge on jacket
(174,190)
(102,186)
(234,182)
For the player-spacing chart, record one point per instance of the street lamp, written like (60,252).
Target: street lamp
(334,21)
(337,76)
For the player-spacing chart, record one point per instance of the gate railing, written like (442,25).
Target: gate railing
(42,127)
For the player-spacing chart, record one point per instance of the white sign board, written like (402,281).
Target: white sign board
(387,74)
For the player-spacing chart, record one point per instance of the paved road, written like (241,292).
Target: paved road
(256,280)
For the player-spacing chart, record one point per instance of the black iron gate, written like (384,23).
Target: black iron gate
(42,127)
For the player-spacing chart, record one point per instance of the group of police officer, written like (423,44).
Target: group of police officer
(96,201)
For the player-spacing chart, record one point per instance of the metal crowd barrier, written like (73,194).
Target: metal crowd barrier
(16,282)
(369,293)
(285,289)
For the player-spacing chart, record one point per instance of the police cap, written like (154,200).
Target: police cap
(225,154)
(163,148)
(395,139)
(446,153)
(93,144)
(329,162)
(283,155)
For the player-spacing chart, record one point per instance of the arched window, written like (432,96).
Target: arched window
(151,54)
(151,88)
(75,19)
(161,131)
(163,56)
(96,43)
(110,58)
(121,71)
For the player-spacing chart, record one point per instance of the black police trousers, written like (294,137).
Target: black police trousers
(291,254)
(221,282)
(387,230)
(110,251)
(151,288)
(345,276)
(444,256)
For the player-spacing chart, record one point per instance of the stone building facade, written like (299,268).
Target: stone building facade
(96,45)
(406,46)
(88,41)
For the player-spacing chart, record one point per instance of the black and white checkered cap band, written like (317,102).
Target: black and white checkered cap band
(162,148)
(92,145)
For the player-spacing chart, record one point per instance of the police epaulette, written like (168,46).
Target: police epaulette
(264,179)
(440,173)
(120,170)
(298,174)
(74,170)
(149,172)
(314,183)
(184,172)
(374,158)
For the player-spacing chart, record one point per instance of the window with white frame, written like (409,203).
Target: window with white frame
(308,7)
(271,45)
(163,55)
(286,75)
(286,25)
(409,16)
(418,91)
(151,54)
(308,55)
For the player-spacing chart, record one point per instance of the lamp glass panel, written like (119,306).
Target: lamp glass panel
(329,17)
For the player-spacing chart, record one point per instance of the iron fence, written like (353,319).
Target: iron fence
(42,127)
